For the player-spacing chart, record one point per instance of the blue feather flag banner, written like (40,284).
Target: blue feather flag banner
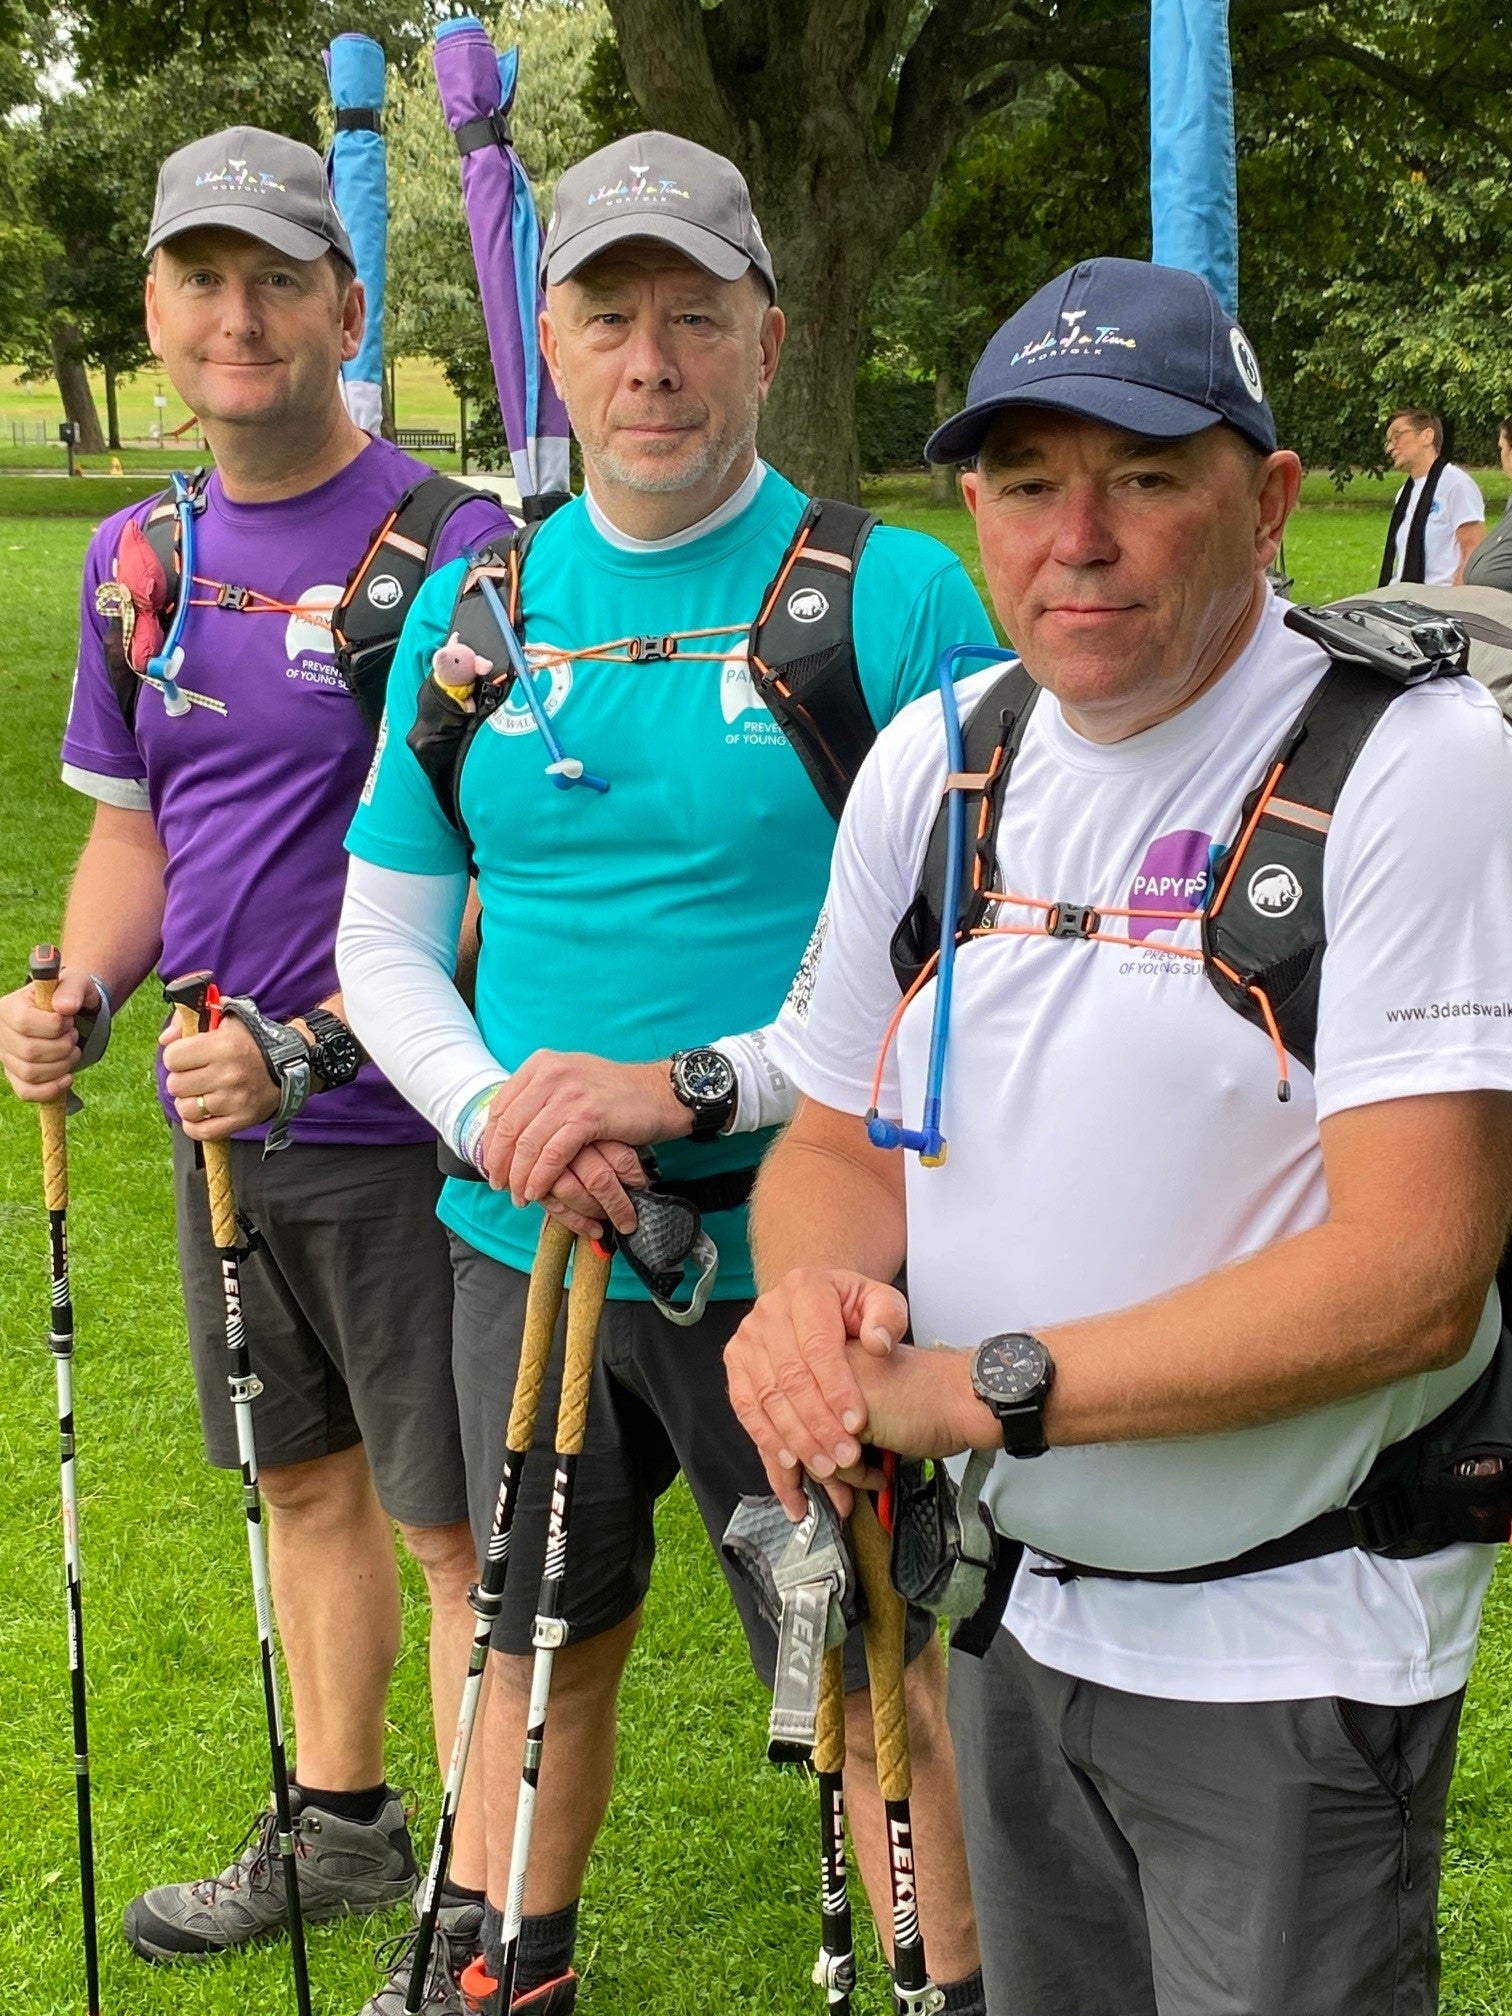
(1194,194)
(358,168)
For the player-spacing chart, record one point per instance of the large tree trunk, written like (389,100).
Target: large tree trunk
(112,410)
(809,428)
(73,383)
(794,103)
(942,480)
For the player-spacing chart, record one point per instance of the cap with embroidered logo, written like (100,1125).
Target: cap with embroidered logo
(1147,348)
(262,184)
(661,187)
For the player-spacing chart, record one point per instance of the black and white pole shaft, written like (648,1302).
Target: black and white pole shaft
(542,1307)
(192,997)
(585,1305)
(835,1969)
(914,1993)
(45,968)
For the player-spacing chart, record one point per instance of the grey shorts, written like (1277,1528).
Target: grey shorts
(347,1301)
(658,1405)
(1139,1857)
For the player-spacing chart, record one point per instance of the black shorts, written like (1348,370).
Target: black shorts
(347,1301)
(658,1405)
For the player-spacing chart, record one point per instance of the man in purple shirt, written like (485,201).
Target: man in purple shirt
(217,843)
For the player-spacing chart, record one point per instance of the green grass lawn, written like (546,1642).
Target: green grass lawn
(701,1897)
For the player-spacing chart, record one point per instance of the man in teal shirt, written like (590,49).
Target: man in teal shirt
(624,925)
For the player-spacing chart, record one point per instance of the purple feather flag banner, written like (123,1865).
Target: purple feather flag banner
(477,88)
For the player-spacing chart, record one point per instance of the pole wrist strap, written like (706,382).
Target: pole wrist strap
(287,1057)
(806,1585)
(93,1026)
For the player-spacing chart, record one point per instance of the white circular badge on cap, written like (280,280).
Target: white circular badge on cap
(1249,368)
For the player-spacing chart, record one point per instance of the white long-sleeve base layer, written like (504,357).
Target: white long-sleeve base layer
(396,952)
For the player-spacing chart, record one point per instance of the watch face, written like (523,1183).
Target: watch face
(337,1057)
(705,1077)
(1011,1368)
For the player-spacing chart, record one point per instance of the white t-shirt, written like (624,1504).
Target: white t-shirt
(1114,1132)
(1456,501)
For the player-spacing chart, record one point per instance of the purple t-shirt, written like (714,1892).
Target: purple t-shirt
(252,803)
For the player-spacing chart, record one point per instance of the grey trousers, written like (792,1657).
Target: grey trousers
(1140,1857)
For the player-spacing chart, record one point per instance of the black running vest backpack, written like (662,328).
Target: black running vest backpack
(801,650)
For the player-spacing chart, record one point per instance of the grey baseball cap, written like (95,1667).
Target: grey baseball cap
(657,186)
(245,179)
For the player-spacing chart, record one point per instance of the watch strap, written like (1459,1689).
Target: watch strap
(287,1057)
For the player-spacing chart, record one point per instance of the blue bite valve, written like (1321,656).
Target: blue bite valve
(928,1143)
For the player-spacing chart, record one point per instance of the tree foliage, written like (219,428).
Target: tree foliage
(1375,221)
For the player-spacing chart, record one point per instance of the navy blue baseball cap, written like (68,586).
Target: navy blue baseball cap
(1147,348)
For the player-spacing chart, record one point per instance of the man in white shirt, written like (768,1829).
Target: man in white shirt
(1224,1791)
(1439,517)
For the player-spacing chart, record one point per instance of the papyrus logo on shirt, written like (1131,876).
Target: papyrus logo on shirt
(1172,878)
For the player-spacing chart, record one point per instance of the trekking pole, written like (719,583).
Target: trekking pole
(44,969)
(542,1306)
(835,1969)
(585,1305)
(195,999)
(915,1994)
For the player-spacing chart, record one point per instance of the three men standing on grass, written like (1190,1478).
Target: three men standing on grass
(618,928)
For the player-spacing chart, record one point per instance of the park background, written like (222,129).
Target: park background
(919,169)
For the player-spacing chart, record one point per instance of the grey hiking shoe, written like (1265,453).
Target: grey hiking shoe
(459,1927)
(343,1866)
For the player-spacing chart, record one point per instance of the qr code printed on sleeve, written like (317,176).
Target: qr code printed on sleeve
(801,994)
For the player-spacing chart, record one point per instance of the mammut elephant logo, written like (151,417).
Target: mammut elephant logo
(1274,891)
(807,605)
(383,591)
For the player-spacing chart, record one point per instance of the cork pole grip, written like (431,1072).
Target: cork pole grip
(883,1631)
(217,1162)
(54,1119)
(543,1304)
(829,1739)
(585,1305)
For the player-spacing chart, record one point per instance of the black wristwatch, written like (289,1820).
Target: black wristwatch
(335,1054)
(1012,1375)
(704,1080)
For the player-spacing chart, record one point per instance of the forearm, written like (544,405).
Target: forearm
(113,924)
(1325,1316)
(826,1198)
(395,952)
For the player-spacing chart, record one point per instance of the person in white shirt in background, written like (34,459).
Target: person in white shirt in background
(1225,1792)
(1439,517)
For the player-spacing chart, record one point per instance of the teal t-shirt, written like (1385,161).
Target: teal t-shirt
(674,908)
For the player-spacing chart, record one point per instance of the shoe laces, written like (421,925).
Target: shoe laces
(396,1957)
(252,1864)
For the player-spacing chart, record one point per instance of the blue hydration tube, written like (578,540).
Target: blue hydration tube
(163,670)
(563,770)
(928,1142)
